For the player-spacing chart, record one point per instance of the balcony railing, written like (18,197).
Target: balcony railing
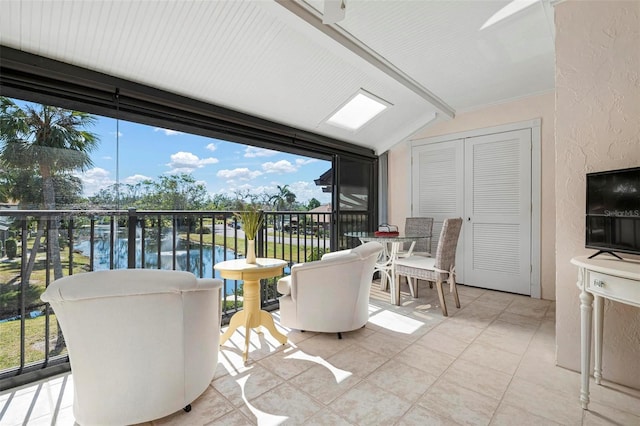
(85,241)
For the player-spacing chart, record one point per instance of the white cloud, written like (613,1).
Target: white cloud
(167,132)
(307,190)
(133,179)
(211,147)
(186,162)
(241,173)
(303,161)
(252,152)
(93,180)
(282,166)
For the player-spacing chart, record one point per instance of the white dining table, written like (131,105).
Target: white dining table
(386,263)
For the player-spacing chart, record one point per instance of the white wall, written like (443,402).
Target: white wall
(597,128)
(541,106)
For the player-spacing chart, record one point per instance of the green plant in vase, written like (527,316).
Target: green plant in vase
(252,220)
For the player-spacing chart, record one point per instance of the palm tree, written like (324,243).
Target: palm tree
(283,198)
(54,141)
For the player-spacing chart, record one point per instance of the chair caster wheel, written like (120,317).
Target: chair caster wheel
(187,408)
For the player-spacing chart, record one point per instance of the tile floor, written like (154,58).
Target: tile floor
(490,362)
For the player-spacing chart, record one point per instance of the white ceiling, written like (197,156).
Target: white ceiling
(276,60)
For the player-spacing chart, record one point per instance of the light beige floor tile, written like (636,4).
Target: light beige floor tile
(210,405)
(616,396)
(490,356)
(551,311)
(26,404)
(234,418)
(513,318)
(367,404)
(474,292)
(326,417)
(476,377)
(297,336)
(384,344)
(324,345)
(430,361)
(287,363)
(464,406)
(509,337)
(466,333)
(509,415)
(285,401)
(65,417)
(475,315)
(420,416)
(539,367)
(529,307)
(496,299)
(443,342)
(402,380)
(252,382)
(599,414)
(357,360)
(358,335)
(557,406)
(325,384)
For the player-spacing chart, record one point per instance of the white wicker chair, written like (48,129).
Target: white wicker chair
(418,226)
(435,269)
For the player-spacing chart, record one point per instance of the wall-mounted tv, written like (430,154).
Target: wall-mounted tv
(613,211)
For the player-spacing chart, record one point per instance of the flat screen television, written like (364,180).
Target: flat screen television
(613,211)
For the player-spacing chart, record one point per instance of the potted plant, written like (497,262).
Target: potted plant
(252,220)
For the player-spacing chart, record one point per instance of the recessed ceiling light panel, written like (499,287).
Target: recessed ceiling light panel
(358,110)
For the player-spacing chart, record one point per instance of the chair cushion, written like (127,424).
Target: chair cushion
(284,285)
(417,262)
(418,267)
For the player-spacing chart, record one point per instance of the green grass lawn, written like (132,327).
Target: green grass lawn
(274,250)
(34,341)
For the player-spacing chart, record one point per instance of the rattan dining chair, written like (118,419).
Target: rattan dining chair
(436,269)
(418,226)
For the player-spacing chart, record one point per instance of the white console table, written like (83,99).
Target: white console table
(601,278)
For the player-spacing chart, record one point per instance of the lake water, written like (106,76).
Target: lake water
(191,263)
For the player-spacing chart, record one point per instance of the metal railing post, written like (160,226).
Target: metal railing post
(131,243)
(260,236)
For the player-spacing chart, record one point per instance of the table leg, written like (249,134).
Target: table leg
(266,320)
(237,320)
(586,308)
(247,336)
(251,316)
(597,334)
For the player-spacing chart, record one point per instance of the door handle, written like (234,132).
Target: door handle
(468,219)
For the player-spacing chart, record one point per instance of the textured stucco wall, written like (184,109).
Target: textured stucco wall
(597,128)
(541,106)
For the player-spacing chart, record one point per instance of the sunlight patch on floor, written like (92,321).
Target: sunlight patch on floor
(395,322)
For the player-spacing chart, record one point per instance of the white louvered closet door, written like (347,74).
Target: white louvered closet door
(437,187)
(497,245)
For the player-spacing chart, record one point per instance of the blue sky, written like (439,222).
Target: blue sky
(148,152)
